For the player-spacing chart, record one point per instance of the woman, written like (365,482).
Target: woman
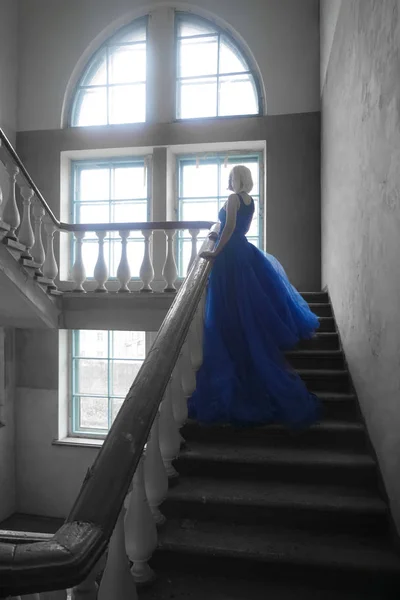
(252,315)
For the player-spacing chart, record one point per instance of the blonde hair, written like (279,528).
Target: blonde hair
(240,179)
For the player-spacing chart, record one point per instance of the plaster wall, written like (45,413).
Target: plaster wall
(283,36)
(7,448)
(361,214)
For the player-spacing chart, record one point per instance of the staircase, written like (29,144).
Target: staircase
(268,513)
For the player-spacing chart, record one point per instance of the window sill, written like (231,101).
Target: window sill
(81,442)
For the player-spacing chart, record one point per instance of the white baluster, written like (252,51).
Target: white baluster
(124,272)
(117,581)
(194,233)
(10,208)
(147,270)
(155,475)
(140,529)
(188,374)
(37,250)
(179,402)
(78,270)
(100,270)
(170,441)
(50,268)
(170,272)
(25,233)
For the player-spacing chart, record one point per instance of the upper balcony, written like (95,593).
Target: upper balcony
(33,294)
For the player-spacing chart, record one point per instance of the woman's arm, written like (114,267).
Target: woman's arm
(231,207)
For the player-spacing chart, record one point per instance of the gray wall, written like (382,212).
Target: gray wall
(8,102)
(361,213)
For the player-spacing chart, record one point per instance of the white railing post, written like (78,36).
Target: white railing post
(37,250)
(155,475)
(50,268)
(140,529)
(170,272)
(170,441)
(147,270)
(10,208)
(100,271)
(78,272)
(25,233)
(179,404)
(117,581)
(123,271)
(194,233)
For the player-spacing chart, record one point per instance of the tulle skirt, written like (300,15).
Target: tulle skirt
(252,315)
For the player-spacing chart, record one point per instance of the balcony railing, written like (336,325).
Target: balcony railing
(32,235)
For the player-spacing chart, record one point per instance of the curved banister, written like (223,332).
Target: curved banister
(71,227)
(70,555)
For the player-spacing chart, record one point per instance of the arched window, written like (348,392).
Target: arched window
(112,88)
(213,77)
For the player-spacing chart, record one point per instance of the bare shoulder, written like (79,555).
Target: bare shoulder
(233,201)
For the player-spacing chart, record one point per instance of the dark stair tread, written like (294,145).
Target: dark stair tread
(327,425)
(336,396)
(322,372)
(261,544)
(191,586)
(322,352)
(225,452)
(277,494)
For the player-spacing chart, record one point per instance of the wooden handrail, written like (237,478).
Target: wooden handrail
(71,227)
(70,555)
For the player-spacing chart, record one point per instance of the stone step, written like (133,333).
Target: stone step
(316,297)
(316,359)
(326,380)
(260,463)
(321,341)
(339,406)
(312,507)
(327,434)
(340,561)
(321,309)
(327,324)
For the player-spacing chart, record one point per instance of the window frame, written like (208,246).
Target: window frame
(221,157)
(73,398)
(144,20)
(219,31)
(109,162)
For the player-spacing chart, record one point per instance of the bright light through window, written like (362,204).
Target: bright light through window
(111,192)
(202,186)
(214,79)
(113,87)
(104,366)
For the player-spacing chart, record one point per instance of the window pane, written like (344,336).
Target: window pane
(237,95)
(96,74)
(128,344)
(91,107)
(93,413)
(199,181)
(127,104)
(116,404)
(124,373)
(198,56)
(198,98)
(92,213)
(130,182)
(200,211)
(94,184)
(130,34)
(185,250)
(230,60)
(130,212)
(91,343)
(193,26)
(127,64)
(92,376)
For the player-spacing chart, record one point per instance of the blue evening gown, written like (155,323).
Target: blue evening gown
(252,315)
